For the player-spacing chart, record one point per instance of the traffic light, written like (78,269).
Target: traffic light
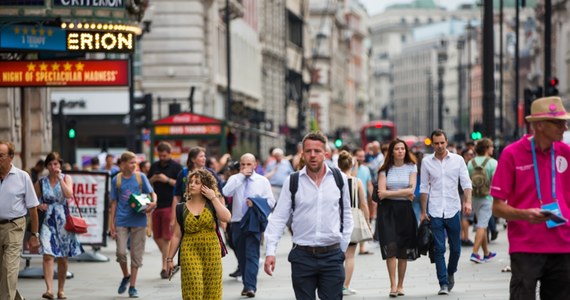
(142,111)
(530,95)
(71,129)
(552,89)
(338,139)
(338,143)
(477,129)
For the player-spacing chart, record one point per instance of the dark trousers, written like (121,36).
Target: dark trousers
(439,228)
(246,246)
(323,272)
(553,271)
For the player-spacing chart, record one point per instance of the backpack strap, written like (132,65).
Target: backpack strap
(120,181)
(485,162)
(340,184)
(139,180)
(293,186)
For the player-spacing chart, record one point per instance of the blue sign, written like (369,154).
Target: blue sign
(90,3)
(22,3)
(24,37)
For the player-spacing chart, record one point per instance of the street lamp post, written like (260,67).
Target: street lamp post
(441,60)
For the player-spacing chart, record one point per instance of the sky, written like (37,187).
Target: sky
(377,6)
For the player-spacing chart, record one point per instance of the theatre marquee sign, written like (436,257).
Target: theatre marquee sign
(64,73)
(90,3)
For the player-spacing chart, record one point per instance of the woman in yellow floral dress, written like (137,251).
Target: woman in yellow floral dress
(200,250)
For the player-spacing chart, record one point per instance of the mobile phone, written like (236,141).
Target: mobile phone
(173,271)
(552,216)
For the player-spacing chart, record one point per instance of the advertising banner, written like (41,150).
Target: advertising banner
(64,73)
(90,3)
(90,190)
(24,37)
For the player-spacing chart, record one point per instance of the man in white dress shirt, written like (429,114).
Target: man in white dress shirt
(243,186)
(320,233)
(441,173)
(17,198)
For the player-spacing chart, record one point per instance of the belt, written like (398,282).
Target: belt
(10,220)
(318,250)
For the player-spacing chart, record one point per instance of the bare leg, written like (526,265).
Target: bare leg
(124,269)
(163,246)
(391,264)
(134,272)
(349,265)
(61,275)
(48,272)
(402,265)
(480,239)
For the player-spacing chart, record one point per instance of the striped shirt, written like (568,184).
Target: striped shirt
(399,178)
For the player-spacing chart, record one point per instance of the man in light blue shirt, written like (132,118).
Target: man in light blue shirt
(441,173)
(243,186)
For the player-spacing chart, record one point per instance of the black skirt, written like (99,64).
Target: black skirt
(397,229)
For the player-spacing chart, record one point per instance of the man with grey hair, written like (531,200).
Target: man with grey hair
(18,197)
(277,170)
(246,187)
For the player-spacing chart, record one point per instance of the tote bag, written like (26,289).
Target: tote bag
(361,231)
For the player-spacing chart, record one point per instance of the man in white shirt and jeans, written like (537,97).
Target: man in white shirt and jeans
(319,243)
(441,173)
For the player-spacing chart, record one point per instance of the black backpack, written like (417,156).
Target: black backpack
(294,185)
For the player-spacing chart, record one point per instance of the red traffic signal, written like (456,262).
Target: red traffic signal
(553,82)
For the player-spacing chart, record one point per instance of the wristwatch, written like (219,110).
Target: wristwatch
(36,234)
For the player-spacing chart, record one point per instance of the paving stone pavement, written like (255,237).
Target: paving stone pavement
(99,280)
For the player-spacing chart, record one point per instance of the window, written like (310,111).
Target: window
(295,30)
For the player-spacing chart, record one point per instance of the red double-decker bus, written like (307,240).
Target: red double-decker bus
(381,130)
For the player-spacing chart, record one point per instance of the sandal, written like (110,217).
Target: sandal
(47,295)
(393,294)
(365,253)
(61,295)
(401,292)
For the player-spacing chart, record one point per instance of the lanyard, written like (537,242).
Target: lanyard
(536,178)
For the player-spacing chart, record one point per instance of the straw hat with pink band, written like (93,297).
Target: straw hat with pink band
(547,108)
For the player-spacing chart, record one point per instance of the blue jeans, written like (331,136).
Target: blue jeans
(439,226)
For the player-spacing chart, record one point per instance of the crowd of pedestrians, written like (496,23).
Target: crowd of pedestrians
(314,193)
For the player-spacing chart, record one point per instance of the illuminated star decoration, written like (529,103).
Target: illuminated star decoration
(31,67)
(79,66)
(55,67)
(67,66)
(43,67)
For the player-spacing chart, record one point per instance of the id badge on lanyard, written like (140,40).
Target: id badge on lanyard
(552,210)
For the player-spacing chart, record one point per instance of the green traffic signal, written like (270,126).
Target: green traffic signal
(71,133)
(338,143)
(476,135)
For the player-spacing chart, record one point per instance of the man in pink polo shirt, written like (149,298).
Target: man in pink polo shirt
(523,190)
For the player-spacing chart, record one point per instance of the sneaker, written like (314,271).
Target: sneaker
(466,243)
(476,258)
(444,290)
(124,283)
(489,256)
(348,291)
(133,292)
(451,281)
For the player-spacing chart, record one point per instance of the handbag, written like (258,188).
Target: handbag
(361,231)
(75,224)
